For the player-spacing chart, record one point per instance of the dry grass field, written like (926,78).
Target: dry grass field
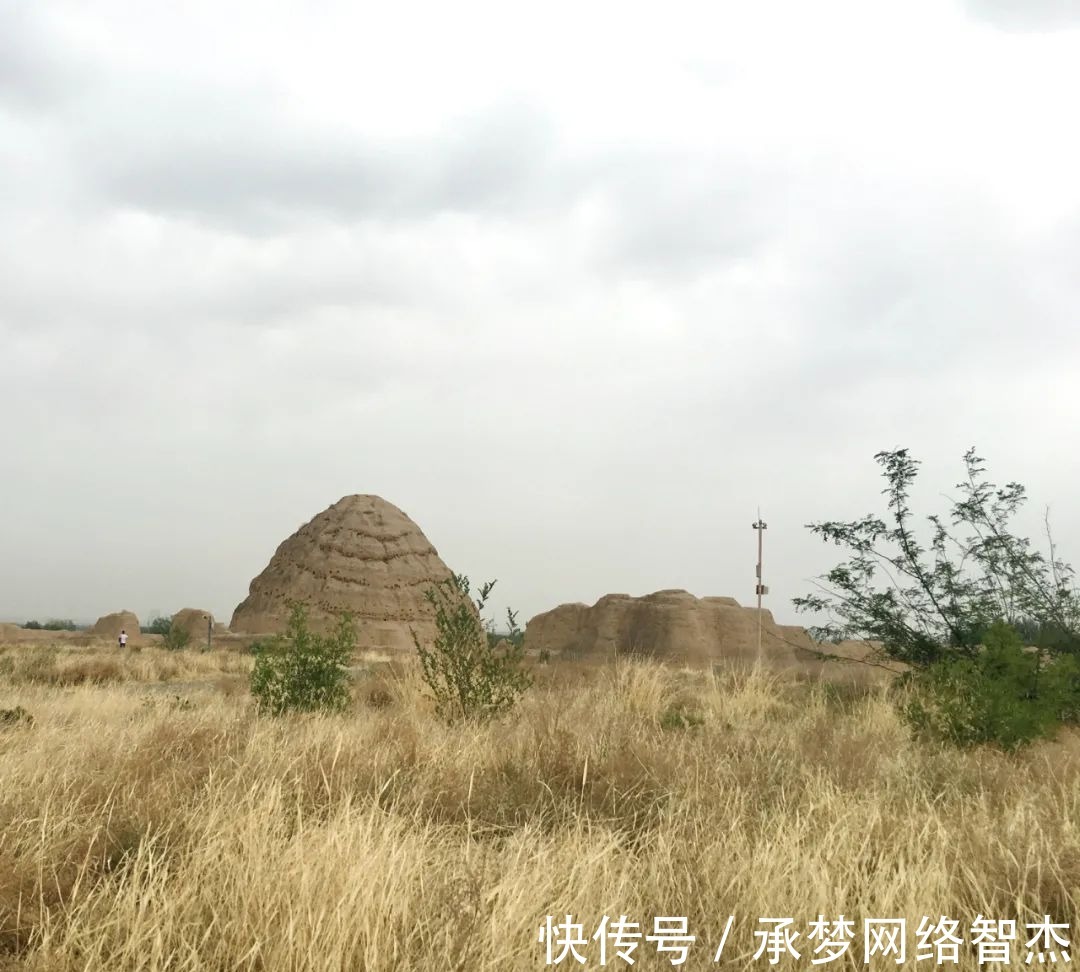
(150,821)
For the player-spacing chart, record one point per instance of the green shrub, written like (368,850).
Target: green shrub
(1004,695)
(15,717)
(64,624)
(678,716)
(175,638)
(301,671)
(513,635)
(32,626)
(159,626)
(470,675)
(932,599)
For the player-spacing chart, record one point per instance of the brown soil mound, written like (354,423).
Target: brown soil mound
(362,555)
(110,626)
(674,626)
(193,621)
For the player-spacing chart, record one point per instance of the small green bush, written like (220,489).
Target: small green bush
(15,717)
(159,626)
(301,671)
(64,624)
(1004,695)
(32,626)
(175,638)
(471,676)
(680,717)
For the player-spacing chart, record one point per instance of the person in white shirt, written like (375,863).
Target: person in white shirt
(123,638)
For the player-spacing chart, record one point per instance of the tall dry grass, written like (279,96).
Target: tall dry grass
(185,833)
(60,665)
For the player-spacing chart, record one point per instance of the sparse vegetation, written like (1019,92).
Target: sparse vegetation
(53,624)
(65,624)
(159,626)
(1002,695)
(303,671)
(174,637)
(680,717)
(392,840)
(54,666)
(471,674)
(15,717)
(512,633)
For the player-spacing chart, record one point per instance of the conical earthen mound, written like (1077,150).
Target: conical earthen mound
(362,555)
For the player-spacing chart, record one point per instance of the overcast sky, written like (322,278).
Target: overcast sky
(577,286)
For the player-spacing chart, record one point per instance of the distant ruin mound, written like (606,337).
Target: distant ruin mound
(111,625)
(362,555)
(675,626)
(10,633)
(193,622)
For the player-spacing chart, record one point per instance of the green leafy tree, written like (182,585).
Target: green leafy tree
(925,603)
(471,676)
(173,637)
(176,638)
(512,634)
(958,610)
(303,671)
(159,626)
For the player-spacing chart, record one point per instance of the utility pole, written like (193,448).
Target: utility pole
(760,525)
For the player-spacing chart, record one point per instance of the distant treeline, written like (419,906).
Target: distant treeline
(52,625)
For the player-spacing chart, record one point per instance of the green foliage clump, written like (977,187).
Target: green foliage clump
(175,638)
(159,626)
(302,671)
(959,609)
(513,635)
(933,601)
(61,624)
(678,716)
(1004,695)
(471,675)
(32,626)
(15,717)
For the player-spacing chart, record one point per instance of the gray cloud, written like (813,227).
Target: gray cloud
(241,164)
(689,213)
(35,74)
